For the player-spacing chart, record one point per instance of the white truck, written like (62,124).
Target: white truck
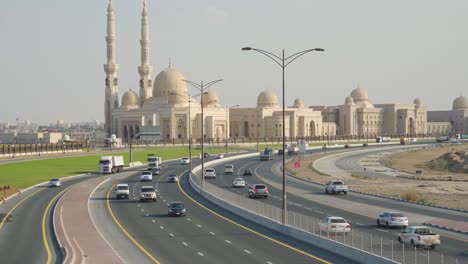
(419,236)
(153,161)
(336,186)
(381,139)
(111,164)
(293,150)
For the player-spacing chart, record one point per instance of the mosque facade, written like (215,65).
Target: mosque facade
(166,103)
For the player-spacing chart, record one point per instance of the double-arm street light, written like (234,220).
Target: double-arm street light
(202,87)
(227,126)
(283,63)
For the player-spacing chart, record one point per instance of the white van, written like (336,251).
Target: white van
(122,191)
(229,169)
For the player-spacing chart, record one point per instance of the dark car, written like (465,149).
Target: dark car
(365,145)
(347,146)
(176,209)
(155,171)
(280,152)
(247,173)
(206,155)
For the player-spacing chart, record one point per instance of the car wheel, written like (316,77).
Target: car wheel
(378,222)
(412,243)
(432,246)
(326,190)
(400,240)
(345,193)
(387,225)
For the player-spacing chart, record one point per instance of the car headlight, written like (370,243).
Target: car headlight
(170,210)
(183,210)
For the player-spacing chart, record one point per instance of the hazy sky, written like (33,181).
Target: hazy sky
(52,51)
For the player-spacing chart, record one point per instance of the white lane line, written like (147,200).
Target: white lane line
(154,221)
(318,211)
(360,224)
(199,225)
(199,253)
(164,200)
(142,210)
(185,244)
(172,235)
(227,241)
(162,227)
(188,219)
(269,262)
(146,215)
(382,230)
(247,251)
(212,233)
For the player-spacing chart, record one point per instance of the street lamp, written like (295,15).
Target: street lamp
(227,133)
(283,63)
(202,87)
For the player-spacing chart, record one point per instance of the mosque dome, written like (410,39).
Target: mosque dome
(169,81)
(130,99)
(210,98)
(460,103)
(360,98)
(267,98)
(298,103)
(349,100)
(417,101)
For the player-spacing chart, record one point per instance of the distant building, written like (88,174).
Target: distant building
(455,120)
(27,127)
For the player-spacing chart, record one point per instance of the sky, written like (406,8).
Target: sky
(52,51)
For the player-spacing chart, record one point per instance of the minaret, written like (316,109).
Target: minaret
(145,69)
(111,68)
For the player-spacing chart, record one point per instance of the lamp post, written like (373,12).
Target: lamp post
(283,63)
(227,127)
(202,87)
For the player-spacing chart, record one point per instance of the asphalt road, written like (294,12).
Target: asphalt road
(453,246)
(205,235)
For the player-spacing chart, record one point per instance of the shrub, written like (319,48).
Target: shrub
(410,196)
(439,164)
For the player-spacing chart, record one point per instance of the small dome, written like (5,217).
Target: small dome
(460,103)
(417,101)
(349,100)
(359,94)
(267,98)
(210,98)
(298,103)
(168,81)
(130,99)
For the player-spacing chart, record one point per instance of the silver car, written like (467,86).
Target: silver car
(390,219)
(55,182)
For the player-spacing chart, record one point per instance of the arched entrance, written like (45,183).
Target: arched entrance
(312,131)
(180,128)
(246,129)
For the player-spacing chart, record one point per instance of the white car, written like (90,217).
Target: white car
(238,182)
(184,161)
(220,156)
(55,182)
(172,178)
(209,173)
(334,224)
(147,193)
(390,219)
(146,176)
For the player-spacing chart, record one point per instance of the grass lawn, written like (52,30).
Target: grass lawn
(21,175)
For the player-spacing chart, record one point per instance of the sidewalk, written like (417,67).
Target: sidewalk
(76,231)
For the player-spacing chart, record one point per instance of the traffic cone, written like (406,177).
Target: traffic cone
(4,200)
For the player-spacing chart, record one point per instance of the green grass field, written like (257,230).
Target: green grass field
(28,173)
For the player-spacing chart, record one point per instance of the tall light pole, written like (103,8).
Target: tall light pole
(283,63)
(227,126)
(202,87)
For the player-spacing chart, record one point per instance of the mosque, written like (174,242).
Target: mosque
(166,103)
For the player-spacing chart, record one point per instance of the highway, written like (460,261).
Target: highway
(310,200)
(208,234)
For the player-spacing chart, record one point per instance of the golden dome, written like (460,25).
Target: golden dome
(169,81)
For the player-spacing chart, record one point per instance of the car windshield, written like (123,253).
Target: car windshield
(208,170)
(146,173)
(54,180)
(396,215)
(104,162)
(122,187)
(177,206)
(147,190)
(260,187)
(338,183)
(239,180)
(337,220)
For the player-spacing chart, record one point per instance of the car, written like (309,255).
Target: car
(147,193)
(155,171)
(258,190)
(229,169)
(390,219)
(220,156)
(280,152)
(146,176)
(184,161)
(347,146)
(365,145)
(247,172)
(176,209)
(122,191)
(238,182)
(172,178)
(55,182)
(325,146)
(206,155)
(209,173)
(334,224)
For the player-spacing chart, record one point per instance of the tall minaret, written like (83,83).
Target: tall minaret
(111,68)
(145,69)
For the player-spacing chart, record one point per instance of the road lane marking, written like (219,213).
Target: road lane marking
(154,221)
(212,233)
(246,228)
(227,241)
(125,231)
(199,225)
(199,253)
(247,251)
(185,244)
(172,235)
(14,207)
(162,227)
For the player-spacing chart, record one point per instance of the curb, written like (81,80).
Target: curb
(447,228)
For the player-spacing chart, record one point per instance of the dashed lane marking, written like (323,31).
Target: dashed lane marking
(227,241)
(172,235)
(199,225)
(185,244)
(212,233)
(247,251)
(201,254)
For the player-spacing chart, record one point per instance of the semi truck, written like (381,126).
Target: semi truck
(382,139)
(111,164)
(153,161)
(267,154)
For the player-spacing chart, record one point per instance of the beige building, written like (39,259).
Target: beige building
(453,121)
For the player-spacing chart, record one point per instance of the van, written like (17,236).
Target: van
(229,169)
(122,191)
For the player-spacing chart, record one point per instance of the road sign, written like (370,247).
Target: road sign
(297,162)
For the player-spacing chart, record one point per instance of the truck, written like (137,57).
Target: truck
(336,186)
(404,141)
(381,139)
(442,139)
(267,154)
(111,164)
(461,136)
(153,161)
(293,150)
(419,236)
